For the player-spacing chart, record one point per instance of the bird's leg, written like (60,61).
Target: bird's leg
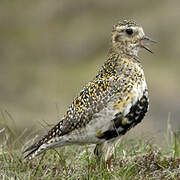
(105,151)
(98,150)
(108,151)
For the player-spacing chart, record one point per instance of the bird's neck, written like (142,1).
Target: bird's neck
(113,55)
(115,63)
(125,48)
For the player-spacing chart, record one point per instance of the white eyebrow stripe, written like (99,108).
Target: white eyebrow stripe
(120,28)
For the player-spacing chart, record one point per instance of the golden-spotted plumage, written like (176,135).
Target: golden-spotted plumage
(112,103)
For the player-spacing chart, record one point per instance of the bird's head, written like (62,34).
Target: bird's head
(128,37)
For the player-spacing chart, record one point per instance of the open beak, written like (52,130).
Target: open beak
(146,38)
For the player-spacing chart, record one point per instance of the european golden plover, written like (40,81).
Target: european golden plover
(111,104)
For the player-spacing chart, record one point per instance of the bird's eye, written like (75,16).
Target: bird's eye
(129,31)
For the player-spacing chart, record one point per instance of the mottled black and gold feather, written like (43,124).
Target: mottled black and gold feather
(112,103)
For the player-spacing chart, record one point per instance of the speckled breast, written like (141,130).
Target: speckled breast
(123,123)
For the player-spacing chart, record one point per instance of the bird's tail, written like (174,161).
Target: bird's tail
(35,149)
(44,144)
(54,138)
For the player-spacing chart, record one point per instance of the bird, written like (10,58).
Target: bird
(115,101)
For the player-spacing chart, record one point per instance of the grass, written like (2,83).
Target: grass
(133,159)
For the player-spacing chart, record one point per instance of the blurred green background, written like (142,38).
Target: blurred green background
(50,49)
